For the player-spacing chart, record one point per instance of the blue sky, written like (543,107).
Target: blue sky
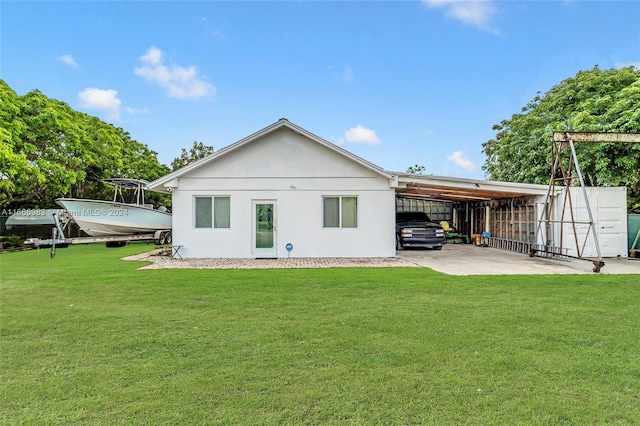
(397,83)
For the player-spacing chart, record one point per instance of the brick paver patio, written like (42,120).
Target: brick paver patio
(160,259)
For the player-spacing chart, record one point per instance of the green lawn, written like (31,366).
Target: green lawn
(87,339)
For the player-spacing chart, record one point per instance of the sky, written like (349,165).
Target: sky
(397,83)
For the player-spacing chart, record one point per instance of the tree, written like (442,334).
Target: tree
(592,101)
(198,150)
(14,165)
(48,150)
(416,169)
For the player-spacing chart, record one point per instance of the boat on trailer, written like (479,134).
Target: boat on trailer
(120,217)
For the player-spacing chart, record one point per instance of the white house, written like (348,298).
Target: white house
(285,192)
(281,192)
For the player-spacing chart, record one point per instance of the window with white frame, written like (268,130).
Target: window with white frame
(212,212)
(340,212)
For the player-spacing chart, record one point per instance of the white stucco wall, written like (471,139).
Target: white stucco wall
(295,173)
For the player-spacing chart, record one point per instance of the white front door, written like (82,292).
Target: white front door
(264,228)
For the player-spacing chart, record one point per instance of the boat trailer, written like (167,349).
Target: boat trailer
(58,239)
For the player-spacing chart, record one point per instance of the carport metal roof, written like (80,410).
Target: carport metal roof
(459,190)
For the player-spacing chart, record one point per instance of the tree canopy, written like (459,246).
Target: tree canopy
(417,169)
(48,150)
(198,150)
(592,101)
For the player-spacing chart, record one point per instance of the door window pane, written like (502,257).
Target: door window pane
(264,225)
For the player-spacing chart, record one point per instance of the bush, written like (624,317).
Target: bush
(11,241)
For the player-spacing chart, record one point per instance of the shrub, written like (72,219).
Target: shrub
(11,241)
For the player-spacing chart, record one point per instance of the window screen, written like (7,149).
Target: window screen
(340,212)
(212,212)
(204,211)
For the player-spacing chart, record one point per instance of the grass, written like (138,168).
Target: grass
(88,339)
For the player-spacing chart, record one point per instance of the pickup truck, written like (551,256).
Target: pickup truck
(415,229)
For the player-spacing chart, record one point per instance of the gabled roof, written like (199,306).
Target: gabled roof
(159,184)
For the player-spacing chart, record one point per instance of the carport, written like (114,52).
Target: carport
(508,211)
(511,212)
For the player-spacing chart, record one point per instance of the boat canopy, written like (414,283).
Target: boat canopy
(126,183)
(122,184)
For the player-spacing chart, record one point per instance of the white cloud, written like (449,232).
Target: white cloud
(178,82)
(152,57)
(218,35)
(133,111)
(101,99)
(361,135)
(460,159)
(477,13)
(635,64)
(344,74)
(68,60)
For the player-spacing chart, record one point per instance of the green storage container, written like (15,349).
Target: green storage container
(633,226)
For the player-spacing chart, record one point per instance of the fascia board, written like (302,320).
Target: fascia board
(527,188)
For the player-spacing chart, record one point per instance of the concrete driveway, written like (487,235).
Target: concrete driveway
(453,259)
(467,259)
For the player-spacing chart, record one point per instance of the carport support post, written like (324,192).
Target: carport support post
(466,218)
(487,217)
